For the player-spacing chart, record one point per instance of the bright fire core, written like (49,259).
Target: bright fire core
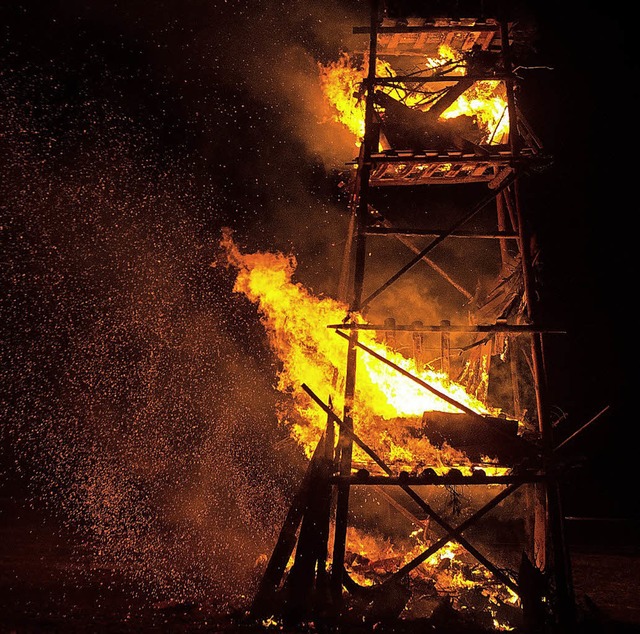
(312,354)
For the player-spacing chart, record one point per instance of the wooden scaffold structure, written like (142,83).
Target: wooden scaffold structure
(409,147)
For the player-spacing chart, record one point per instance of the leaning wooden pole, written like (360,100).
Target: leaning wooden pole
(265,598)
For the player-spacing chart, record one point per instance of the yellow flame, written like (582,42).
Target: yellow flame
(295,322)
(341,84)
(446,54)
(486,101)
(451,569)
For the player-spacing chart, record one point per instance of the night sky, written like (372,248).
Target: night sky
(131,133)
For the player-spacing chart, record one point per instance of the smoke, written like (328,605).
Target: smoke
(274,55)
(296,152)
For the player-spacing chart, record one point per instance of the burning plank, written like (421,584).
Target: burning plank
(495,437)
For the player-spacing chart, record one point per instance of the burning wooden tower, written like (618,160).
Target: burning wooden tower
(444,148)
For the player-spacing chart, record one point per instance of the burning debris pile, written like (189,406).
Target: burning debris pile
(475,113)
(448,579)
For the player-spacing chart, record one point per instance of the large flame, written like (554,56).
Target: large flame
(312,354)
(341,83)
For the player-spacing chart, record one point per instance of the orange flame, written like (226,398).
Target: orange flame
(486,101)
(341,83)
(311,353)
(451,569)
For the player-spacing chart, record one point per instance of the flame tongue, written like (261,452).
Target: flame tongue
(311,353)
(294,321)
(340,82)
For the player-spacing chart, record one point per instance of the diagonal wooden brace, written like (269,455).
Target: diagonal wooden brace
(451,531)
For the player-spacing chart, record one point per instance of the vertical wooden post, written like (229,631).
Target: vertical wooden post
(445,347)
(418,344)
(549,511)
(345,443)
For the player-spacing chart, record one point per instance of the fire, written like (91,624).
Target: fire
(295,321)
(485,101)
(448,572)
(310,353)
(341,84)
(446,57)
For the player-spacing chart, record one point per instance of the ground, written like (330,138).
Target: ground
(48,585)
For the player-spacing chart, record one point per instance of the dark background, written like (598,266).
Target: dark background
(138,390)
(588,260)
